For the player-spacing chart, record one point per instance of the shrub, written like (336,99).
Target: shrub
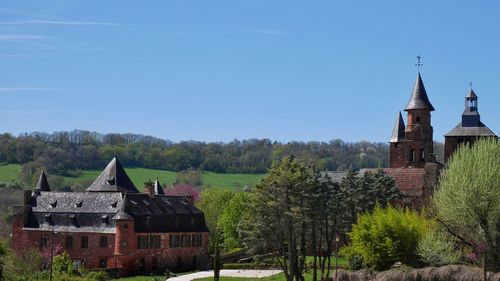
(386,236)
(437,248)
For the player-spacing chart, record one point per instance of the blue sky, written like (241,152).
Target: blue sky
(220,70)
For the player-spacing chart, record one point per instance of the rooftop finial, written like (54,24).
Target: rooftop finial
(470,85)
(419,64)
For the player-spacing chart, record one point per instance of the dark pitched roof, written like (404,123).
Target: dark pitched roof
(158,189)
(479,131)
(418,98)
(113,178)
(398,133)
(75,211)
(122,214)
(164,213)
(471,94)
(43,184)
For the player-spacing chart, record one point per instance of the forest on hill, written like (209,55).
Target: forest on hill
(68,153)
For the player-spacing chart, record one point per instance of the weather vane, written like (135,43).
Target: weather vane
(419,63)
(470,84)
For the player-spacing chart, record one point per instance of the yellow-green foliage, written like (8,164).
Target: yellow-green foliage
(468,197)
(386,236)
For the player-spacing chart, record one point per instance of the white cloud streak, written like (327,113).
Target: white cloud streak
(21,37)
(56,22)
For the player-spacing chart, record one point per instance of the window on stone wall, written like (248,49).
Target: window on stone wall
(103,242)
(148,242)
(174,241)
(44,241)
(124,244)
(422,155)
(103,262)
(195,261)
(154,264)
(69,242)
(84,242)
(196,240)
(185,240)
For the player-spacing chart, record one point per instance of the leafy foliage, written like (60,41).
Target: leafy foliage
(236,210)
(467,201)
(436,247)
(385,236)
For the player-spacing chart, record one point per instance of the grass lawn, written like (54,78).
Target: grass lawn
(234,182)
(9,172)
(277,277)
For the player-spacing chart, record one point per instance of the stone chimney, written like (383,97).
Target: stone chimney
(149,188)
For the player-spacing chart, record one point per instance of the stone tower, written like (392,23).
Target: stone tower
(412,145)
(468,130)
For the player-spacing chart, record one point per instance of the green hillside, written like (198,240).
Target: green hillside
(235,182)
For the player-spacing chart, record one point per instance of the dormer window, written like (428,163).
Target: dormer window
(53,204)
(79,204)
(72,219)
(111,181)
(47,219)
(104,219)
(114,204)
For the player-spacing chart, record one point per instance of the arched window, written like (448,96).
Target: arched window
(422,155)
(411,155)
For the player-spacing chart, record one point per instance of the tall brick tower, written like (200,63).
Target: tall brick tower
(412,146)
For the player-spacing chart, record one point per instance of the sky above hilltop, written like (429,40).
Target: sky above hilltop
(220,70)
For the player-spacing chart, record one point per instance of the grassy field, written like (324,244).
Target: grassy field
(235,182)
(8,173)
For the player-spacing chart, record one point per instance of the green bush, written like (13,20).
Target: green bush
(386,236)
(63,264)
(438,248)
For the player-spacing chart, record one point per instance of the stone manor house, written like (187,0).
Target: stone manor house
(113,226)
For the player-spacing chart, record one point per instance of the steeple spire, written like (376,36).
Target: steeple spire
(418,98)
(398,133)
(43,183)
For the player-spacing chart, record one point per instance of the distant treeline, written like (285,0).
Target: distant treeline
(67,153)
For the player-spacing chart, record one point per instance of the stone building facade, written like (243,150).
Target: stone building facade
(113,226)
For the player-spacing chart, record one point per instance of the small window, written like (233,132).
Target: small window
(179,262)
(79,204)
(154,264)
(69,242)
(84,242)
(104,219)
(114,204)
(103,242)
(197,238)
(174,240)
(103,262)
(186,241)
(125,226)
(418,119)
(124,244)
(72,219)
(44,241)
(195,261)
(53,204)
(422,155)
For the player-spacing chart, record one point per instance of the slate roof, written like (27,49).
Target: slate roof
(398,133)
(418,98)
(113,178)
(43,183)
(96,212)
(479,131)
(165,213)
(471,94)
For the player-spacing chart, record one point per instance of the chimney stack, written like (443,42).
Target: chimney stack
(149,188)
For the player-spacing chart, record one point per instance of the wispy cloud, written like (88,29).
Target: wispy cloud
(253,31)
(21,37)
(57,22)
(26,89)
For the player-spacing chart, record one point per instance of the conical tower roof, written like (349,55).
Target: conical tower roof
(471,94)
(43,183)
(398,133)
(158,188)
(419,99)
(113,178)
